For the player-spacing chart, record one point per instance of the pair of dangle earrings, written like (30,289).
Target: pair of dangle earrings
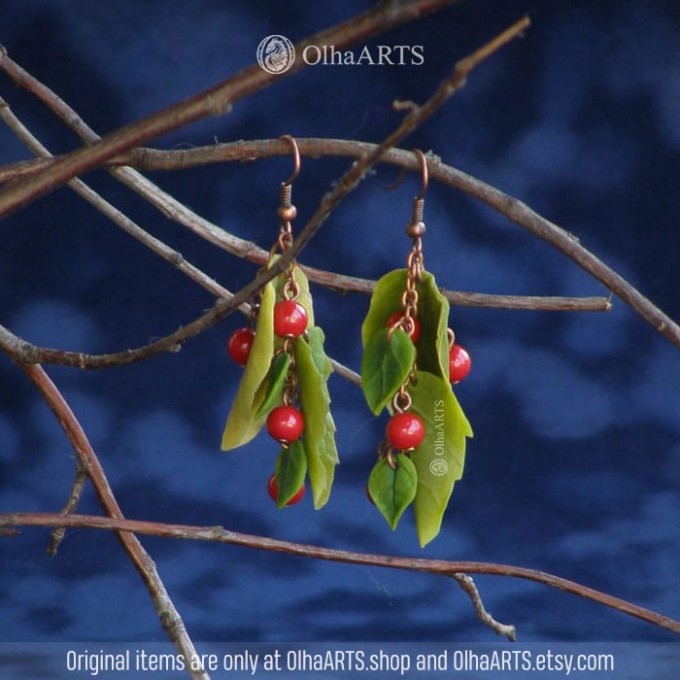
(410,361)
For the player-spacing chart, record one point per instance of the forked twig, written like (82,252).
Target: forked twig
(468,585)
(69,508)
(88,461)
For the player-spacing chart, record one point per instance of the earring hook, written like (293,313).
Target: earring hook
(296,158)
(424,173)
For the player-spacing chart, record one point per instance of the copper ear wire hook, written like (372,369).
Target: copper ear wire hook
(296,158)
(424,173)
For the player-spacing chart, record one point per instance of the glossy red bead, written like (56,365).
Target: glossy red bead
(415,331)
(405,431)
(290,318)
(459,363)
(239,345)
(285,424)
(273,489)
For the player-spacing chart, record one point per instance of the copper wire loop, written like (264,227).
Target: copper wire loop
(285,239)
(387,452)
(291,289)
(401,402)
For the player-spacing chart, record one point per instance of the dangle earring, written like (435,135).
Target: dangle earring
(286,370)
(410,361)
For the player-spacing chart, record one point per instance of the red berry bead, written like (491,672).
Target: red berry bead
(459,363)
(415,332)
(290,318)
(239,345)
(285,424)
(405,431)
(273,489)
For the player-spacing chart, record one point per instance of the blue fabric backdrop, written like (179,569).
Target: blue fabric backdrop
(575,463)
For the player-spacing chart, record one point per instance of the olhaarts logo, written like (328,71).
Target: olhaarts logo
(276,54)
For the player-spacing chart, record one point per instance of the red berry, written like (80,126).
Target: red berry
(273,489)
(290,318)
(405,431)
(415,328)
(239,345)
(459,363)
(285,424)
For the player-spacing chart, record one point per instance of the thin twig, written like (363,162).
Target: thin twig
(72,501)
(470,587)
(219,534)
(215,101)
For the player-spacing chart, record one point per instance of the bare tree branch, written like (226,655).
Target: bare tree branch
(165,608)
(174,210)
(38,178)
(219,534)
(125,223)
(215,101)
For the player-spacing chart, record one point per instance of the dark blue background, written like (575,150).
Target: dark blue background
(575,464)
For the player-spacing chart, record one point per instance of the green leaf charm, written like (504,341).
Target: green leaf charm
(243,423)
(433,314)
(385,366)
(313,369)
(274,386)
(385,300)
(393,491)
(439,460)
(290,470)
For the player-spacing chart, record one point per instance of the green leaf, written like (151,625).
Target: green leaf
(441,457)
(433,314)
(274,385)
(385,366)
(393,491)
(385,300)
(313,369)
(290,470)
(243,424)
